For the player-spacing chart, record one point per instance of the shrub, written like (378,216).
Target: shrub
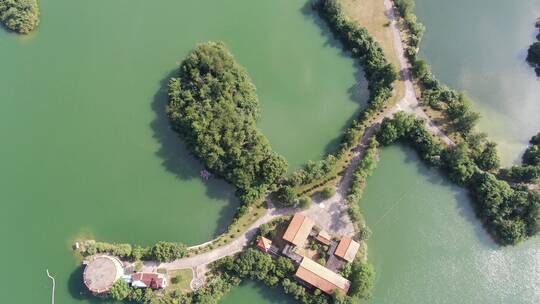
(305,202)
(286,196)
(119,250)
(328,192)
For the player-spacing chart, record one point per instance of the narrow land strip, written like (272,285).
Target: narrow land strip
(332,212)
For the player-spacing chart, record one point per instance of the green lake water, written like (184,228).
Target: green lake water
(427,246)
(480,47)
(86,149)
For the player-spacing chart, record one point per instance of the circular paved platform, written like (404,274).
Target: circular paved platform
(101,273)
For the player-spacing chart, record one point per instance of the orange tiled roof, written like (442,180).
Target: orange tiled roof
(298,230)
(321,277)
(347,249)
(264,244)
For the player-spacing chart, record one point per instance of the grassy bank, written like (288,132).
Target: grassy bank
(372,15)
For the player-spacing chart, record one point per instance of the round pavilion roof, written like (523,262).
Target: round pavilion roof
(101,273)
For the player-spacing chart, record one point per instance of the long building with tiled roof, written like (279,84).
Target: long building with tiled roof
(321,277)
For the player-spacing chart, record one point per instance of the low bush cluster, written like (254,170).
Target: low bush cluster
(416,29)
(161,251)
(313,171)
(328,192)
(365,168)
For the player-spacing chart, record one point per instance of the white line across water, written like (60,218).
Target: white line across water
(53,285)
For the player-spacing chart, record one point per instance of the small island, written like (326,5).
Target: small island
(21,16)
(214,108)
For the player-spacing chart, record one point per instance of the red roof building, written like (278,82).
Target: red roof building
(324,237)
(347,249)
(264,244)
(148,280)
(298,230)
(321,277)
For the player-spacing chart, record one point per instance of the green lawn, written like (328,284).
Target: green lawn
(179,281)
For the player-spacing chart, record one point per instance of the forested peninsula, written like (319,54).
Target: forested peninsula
(508,209)
(21,16)
(214,107)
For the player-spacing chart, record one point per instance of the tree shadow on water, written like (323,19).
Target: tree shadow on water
(173,152)
(358,92)
(78,291)
(177,160)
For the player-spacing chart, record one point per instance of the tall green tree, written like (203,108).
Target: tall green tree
(488,158)
(120,290)
(21,16)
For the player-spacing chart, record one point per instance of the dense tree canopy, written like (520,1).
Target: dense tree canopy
(167,251)
(21,16)
(362,277)
(521,174)
(213,105)
(120,290)
(488,159)
(533,56)
(532,156)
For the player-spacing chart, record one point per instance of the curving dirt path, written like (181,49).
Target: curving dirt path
(231,248)
(410,102)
